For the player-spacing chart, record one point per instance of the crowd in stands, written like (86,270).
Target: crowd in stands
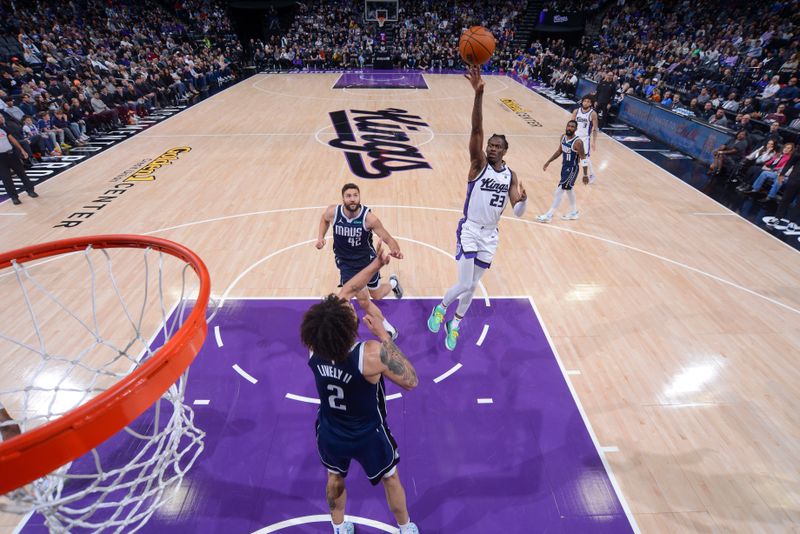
(334,35)
(88,66)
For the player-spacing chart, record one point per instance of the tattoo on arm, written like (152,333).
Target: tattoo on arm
(394,359)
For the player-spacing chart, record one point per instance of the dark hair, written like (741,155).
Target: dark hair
(588,97)
(573,121)
(501,137)
(350,186)
(330,328)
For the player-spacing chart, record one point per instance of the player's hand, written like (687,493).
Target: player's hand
(474,77)
(320,243)
(544,167)
(24,155)
(381,256)
(376,327)
(395,253)
(585,180)
(523,195)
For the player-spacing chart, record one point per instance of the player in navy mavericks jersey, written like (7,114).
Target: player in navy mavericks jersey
(490,186)
(570,148)
(586,117)
(353,226)
(351,424)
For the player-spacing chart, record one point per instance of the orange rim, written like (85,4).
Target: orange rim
(44,449)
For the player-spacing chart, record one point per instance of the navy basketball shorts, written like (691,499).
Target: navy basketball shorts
(376,452)
(349,270)
(568,177)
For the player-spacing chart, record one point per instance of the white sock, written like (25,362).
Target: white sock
(572,204)
(456,321)
(405,529)
(556,202)
(393,283)
(388,326)
(444,307)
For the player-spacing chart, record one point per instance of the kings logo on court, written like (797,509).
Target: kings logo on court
(377,143)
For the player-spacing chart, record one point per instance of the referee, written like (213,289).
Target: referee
(8,161)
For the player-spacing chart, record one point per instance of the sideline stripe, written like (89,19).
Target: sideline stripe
(483,335)
(300,398)
(393,396)
(202,402)
(247,376)
(217,336)
(447,373)
(485,401)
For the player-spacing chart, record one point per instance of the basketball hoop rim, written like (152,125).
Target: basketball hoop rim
(44,449)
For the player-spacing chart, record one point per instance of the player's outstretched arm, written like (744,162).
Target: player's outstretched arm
(324,224)
(477,157)
(375,224)
(517,195)
(553,157)
(595,129)
(360,281)
(386,358)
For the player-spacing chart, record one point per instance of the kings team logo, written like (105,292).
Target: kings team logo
(376,143)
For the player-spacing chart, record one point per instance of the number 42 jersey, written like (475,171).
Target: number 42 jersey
(350,406)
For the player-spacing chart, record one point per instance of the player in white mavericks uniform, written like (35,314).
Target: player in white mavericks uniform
(586,117)
(490,186)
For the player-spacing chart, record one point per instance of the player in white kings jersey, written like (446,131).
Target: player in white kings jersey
(586,117)
(490,186)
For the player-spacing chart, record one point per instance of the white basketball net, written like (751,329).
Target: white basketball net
(70,344)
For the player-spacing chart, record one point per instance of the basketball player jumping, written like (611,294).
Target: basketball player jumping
(353,225)
(571,150)
(351,423)
(490,185)
(586,117)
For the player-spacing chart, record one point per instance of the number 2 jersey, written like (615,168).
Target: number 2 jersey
(352,240)
(350,406)
(487,196)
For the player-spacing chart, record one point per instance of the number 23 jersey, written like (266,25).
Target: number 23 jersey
(487,196)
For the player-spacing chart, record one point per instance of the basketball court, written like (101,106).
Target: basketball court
(634,370)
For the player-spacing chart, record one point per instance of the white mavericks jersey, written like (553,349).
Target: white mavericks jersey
(487,196)
(584,120)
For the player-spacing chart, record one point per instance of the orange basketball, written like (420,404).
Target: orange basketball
(476,45)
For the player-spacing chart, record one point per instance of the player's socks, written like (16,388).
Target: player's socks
(391,329)
(408,528)
(345,528)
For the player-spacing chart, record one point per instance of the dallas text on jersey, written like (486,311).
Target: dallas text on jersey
(381,138)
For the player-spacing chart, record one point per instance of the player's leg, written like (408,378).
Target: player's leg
(487,247)
(586,162)
(396,498)
(573,206)
(548,216)
(377,454)
(466,250)
(384,289)
(466,268)
(453,326)
(335,456)
(373,311)
(336,495)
